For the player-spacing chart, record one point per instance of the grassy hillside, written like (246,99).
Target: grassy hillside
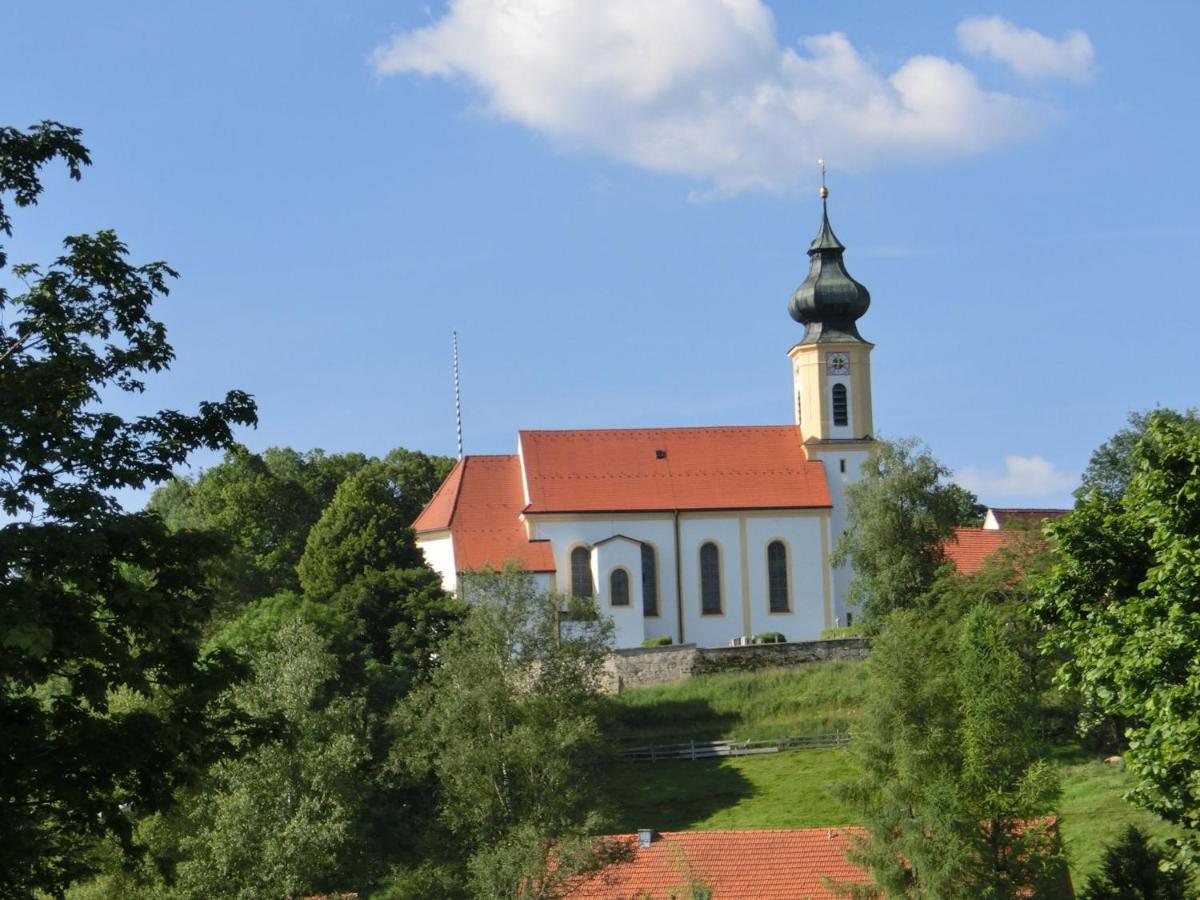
(743,705)
(797,790)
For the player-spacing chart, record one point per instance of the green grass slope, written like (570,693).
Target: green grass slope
(798,790)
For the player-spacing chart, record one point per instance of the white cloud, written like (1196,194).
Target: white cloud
(703,88)
(1023,476)
(1030,53)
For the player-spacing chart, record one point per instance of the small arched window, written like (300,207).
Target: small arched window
(841,406)
(581,572)
(618,588)
(777,576)
(649,581)
(710,579)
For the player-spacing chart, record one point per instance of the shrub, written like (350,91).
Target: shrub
(1130,870)
(663,641)
(769,637)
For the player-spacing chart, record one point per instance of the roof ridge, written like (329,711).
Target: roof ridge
(629,428)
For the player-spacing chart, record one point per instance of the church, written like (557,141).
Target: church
(704,535)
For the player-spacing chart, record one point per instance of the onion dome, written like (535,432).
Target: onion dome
(829,302)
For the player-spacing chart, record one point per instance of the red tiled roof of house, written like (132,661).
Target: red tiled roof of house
(735,865)
(620,470)
(971,546)
(480,502)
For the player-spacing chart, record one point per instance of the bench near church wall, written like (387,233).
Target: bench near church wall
(662,665)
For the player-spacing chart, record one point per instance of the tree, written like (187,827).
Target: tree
(317,809)
(899,514)
(366,527)
(264,505)
(282,819)
(1112,463)
(106,701)
(1122,604)
(507,729)
(952,790)
(1130,870)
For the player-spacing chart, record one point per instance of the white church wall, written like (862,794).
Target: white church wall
(838,481)
(439,553)
(806,556)
(628,619)
(695,529)
(802,535)
(565,533)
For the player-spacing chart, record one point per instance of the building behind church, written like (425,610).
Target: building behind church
(704,535)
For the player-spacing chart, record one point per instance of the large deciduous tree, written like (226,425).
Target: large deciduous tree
(1123,604)
(507,729)
(899,514)
(106,701)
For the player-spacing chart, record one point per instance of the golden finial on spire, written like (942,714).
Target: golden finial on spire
(824,190)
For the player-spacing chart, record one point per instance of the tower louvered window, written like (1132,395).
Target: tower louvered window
(777,576)
(841,406)
(618,588)
(581,572)
(710,579)
(649,581)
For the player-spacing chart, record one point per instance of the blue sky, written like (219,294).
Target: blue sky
(610,201)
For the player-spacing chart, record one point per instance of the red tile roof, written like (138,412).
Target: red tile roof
(735,865)
(480,502)
(618,470)
(971,546)
(440,509)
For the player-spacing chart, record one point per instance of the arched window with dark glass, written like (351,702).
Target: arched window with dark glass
(649,581)
(581,572)
(841,406)
(710,579)
(777,576)
(618,588)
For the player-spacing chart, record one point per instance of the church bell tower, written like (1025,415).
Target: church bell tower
(831,385)
(831,366)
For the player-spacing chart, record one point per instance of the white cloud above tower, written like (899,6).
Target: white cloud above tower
(704,88)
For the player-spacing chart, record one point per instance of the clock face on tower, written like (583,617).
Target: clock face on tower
(839,364)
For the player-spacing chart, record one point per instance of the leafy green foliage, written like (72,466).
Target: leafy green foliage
(953,789)
(661,641)
(95,603)
(898,515)
(364,528)
(280,821)
(315,809)
(1131,870)
(1123,603)
(769,637)
(1112,463)
(507,729)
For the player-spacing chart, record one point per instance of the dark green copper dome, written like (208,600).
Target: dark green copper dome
(829,302)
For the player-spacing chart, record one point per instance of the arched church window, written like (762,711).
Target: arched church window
(581,572)
(841,408)
(710,579)
(777,576)
(618,588)
(649,581)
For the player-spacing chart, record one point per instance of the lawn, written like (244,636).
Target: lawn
(1093,812)
(797,790)
(744,706)
(784,790)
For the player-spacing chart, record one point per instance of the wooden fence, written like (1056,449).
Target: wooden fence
(714,749)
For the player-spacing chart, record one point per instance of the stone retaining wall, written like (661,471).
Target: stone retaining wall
(663,665)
